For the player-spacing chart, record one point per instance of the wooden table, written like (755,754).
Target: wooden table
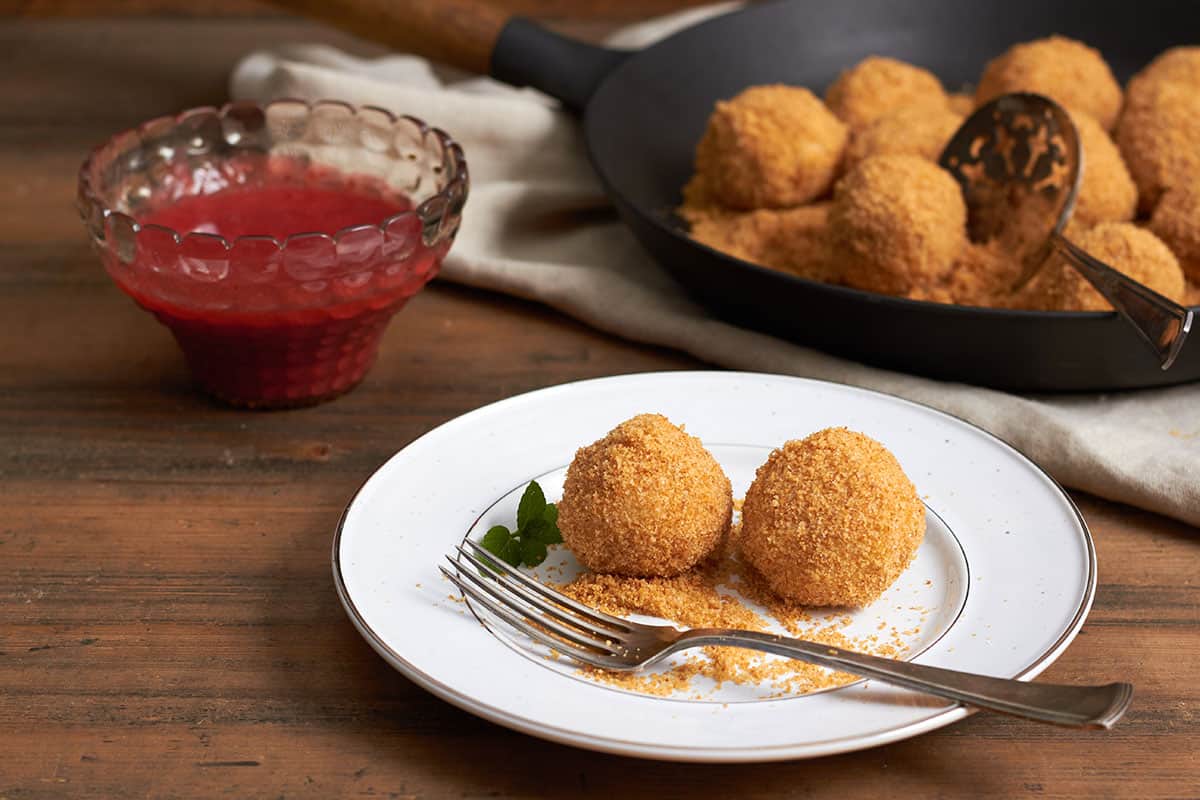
(168,625)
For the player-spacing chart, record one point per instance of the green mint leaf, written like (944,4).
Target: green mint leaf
(542,531)
(552,534)
(533,529)
(533,552)
(512,552)
(533,505)
(495,540)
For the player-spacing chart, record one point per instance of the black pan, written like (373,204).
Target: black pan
(643,113)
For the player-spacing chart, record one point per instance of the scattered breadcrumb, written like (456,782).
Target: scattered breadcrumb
(704,597)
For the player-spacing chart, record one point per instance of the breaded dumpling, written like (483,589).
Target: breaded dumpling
(1177,65)
(646,500)
(1176,221)
(792,240)
(1067,71)
(913,130)
(1159,137)
(1123,246)
(770,147)
(831,520)
(897,224)
(1106,190)
(877,86)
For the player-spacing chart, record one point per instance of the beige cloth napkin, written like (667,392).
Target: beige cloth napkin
(524,234)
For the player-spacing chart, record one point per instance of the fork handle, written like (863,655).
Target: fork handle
(1076,706)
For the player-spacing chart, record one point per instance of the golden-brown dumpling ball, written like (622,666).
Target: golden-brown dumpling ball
(877,86)
(1176,221)
(1159,137)
(1121,245)
(912,130)
(770,147)
(646,500)
(831,520)
(1107,192)
(1177,65)
(1065,70)
(897,224)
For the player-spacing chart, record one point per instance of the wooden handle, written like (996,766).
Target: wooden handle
(461,33)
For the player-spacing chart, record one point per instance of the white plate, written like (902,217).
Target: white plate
(1007,570)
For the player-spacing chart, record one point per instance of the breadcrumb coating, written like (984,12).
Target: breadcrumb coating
(1107,192)
(897,224)
(792,240)
(1176,221)
(1159,137)
(912,130)
(646,500)
(831,520)
(770,147)
(1177,65)
(983,275)
(877,86)
(1065,70)
(1123,246)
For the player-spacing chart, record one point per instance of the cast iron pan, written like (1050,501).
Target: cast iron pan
(643,113)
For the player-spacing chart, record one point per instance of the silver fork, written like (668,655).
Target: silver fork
(601,640)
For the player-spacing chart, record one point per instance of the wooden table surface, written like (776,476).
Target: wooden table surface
(168,624)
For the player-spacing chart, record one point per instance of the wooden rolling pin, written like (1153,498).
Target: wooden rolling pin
(462,33)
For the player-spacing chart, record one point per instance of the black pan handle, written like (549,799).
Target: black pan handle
(475,36)
(526,54)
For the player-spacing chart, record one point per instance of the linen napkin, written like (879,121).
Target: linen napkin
(531,230)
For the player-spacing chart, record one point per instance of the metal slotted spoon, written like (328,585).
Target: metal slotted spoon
(601,640)
(1019,164)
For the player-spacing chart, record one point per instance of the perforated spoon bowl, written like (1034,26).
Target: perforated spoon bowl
(1019,164)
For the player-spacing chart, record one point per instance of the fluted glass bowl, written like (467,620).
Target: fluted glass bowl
(283,320)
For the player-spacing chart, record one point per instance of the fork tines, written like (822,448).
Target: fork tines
(539,612)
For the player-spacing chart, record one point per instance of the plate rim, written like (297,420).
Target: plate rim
(786,752)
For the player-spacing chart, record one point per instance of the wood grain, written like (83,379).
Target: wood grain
(572,10)
(461,33)
(168,625)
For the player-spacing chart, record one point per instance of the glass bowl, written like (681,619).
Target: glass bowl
(296,317)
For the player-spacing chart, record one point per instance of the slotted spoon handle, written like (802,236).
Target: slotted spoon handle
(1162,323)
